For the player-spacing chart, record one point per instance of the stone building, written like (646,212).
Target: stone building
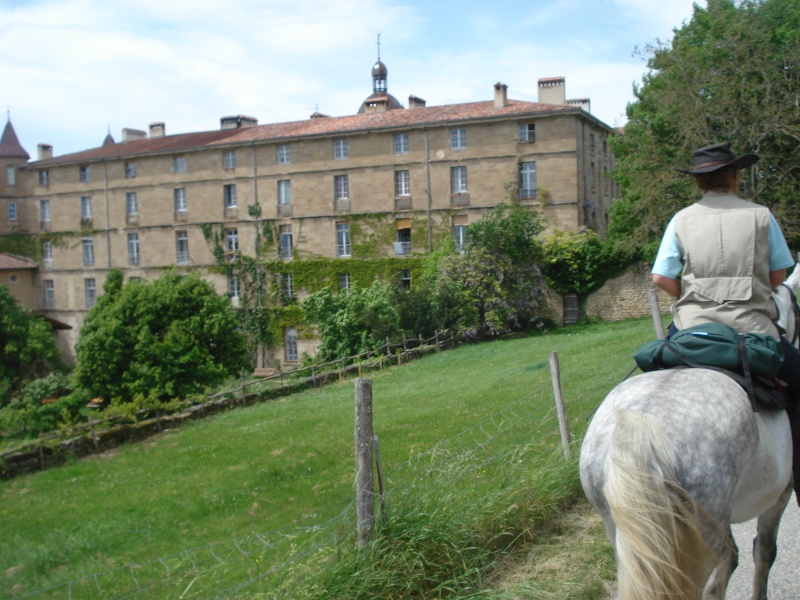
(141,203)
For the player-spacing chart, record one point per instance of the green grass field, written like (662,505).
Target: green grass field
(289,464)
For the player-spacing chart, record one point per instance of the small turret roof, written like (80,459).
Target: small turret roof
(9,144)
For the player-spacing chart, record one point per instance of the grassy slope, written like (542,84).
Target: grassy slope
(290,461)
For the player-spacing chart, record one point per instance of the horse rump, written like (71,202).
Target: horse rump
(662,534)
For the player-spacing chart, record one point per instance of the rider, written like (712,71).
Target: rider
(721,257)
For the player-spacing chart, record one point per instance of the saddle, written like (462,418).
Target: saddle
(752,360)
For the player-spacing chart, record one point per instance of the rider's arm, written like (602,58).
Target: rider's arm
(777,277)
(669,263)
(668,284)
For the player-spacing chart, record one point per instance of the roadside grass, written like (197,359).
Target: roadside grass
(289,463)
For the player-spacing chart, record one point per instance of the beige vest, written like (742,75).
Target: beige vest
(724,242)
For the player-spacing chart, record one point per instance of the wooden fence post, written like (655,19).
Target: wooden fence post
(563,424)
(365,498)
(655,311)
(379,469)
(437,340)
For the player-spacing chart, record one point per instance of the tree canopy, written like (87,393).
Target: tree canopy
(164,339)
(731,74)
(27,346)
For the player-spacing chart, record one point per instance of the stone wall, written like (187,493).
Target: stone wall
(624,297)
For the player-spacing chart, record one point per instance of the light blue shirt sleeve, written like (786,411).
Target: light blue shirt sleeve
(779,255)
(668,260)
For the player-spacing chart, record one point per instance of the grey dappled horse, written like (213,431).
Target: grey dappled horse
(670,460)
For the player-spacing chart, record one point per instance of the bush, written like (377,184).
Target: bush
(168,338)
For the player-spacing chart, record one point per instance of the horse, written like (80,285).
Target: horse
(670,460)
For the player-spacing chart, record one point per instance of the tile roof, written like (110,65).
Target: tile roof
(9,144)
(416,117)
(12,262)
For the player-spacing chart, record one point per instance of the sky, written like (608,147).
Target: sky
(72,71)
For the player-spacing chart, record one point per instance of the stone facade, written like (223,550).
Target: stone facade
(141,204)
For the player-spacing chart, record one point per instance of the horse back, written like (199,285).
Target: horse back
(731,461)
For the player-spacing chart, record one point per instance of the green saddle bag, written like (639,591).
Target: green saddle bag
(714,345)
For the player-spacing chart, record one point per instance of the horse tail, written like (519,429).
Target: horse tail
(661,553)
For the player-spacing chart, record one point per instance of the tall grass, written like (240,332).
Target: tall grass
(469,480)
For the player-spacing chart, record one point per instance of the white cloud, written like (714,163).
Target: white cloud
(70,68)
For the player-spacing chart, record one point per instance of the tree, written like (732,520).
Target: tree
(581,263)
(353,322)
(164,339)
(27,346)
(496,284)
(730,74)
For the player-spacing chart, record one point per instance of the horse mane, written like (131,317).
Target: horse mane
(661,531)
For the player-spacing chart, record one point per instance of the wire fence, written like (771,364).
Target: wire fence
(268,562)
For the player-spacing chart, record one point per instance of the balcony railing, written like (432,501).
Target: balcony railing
(459,199)
(182,257)
(133,260)
(46,225)
(343,250)
(341,205)
(402,248)
(402,203)
(284,210)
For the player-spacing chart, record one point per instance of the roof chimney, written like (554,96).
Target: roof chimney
(584,103)
(415,102)
(552,91)
(500,95)
(45,151)
(237,121)
(158,130)
(129,135)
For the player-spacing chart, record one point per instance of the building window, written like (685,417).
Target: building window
(47,252)
(49,294)
(90,291)
(85,173)
(341,187)
(12,211)
(460,237)
(233,286)
(527,133)
(44,211)
(402,183)
(341,149)
(130,170)
(401,143)
(344,282)
(181,247)
(88,251)
(591,140)
(402,244)
(458,180)
(133,249)
(229,160)
(284,154)
(229,195)
(131,204)
(179,199)
(179,164)
(287,290)
(44,178)
(405,279)
(284,192)
(527,180)
(290,345)
(86,208)
(286,241)
(458,138)
(343,239)
(231,243)
(11,175)
(605,147)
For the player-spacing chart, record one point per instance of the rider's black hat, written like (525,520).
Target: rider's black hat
(715,157)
